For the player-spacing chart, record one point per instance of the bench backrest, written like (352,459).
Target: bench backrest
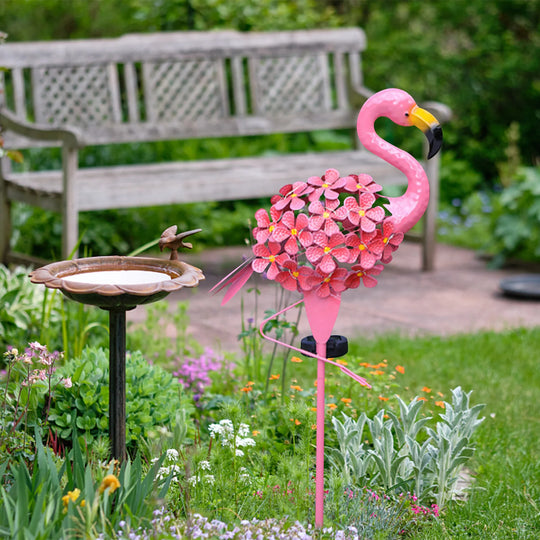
(178,85)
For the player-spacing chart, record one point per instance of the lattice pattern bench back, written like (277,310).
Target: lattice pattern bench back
(183,85)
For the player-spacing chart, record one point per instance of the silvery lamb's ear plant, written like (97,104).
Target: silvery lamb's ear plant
(352,459)
(405,453)
(451,440)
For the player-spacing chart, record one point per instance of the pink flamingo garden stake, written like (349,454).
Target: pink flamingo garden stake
(330,233)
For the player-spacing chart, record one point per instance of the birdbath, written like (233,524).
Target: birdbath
(118,284)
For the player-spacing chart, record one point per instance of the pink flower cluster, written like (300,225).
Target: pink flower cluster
(326,234)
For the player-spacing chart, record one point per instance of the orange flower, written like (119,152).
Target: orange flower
(274,377)
(400,369)
(296,421)
(440,394)
(426,389)
(346,399)
(440,404)
(246,389)
(296,387)
(314,409)
(420,398)
(331,406)
(255,432)
(341,362)
(382,398)
(376,372)
(313,426)
(296,359)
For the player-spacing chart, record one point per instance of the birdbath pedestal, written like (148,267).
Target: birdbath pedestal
(117,284)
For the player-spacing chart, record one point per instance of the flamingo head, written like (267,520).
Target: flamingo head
(401,108)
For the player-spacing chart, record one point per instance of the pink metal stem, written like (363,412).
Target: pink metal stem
(319,453)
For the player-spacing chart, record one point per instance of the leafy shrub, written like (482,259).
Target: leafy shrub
(516,232)
(401,456)
(22,307)
(153,398)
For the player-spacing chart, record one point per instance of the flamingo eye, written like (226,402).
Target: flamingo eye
(406,114)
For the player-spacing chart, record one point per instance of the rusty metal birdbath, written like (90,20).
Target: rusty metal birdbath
(119,284)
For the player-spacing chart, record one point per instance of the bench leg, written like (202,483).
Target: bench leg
(429,234)
(5,215)
(70,209)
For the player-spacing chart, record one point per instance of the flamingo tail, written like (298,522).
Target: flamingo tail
(234,281)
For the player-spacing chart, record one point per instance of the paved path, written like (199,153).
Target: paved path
(461,295)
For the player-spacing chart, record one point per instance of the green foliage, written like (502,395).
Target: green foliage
(516,232)
(55,500)
(153,398)
(22,303)
(34,313)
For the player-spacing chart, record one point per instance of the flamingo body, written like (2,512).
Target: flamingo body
(315,227)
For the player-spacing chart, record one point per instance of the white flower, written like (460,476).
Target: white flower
(239,453)
(244,442)
(193,480)
(172,454)
(204,465)
(209,479)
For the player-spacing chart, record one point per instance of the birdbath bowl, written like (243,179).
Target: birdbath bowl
(117,284)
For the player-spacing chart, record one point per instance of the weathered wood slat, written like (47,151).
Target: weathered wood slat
(129,186)
(176,45)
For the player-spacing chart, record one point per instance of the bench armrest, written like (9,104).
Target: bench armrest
(442,112)
(69,136)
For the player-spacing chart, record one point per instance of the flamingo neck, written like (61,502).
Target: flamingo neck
(408,209)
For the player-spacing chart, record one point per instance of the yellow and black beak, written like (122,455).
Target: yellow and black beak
(430,126)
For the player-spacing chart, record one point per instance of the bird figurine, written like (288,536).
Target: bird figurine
(330,233)
(170,240)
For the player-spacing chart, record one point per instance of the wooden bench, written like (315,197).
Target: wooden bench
(174,86)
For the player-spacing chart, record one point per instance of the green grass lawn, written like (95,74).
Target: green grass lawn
(502,369)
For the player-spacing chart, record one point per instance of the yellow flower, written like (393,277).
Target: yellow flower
(110,482)
(296,359)
(71,496)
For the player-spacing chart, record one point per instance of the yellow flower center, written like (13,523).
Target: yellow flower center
(272,258)
(359,186)
(293,194)
(361,213)
(271,228)
(294,232)
(360,274)
(327,249)
(361,247)
(325,186)
(385,240)
(326,215)
(327,280)
(296,274)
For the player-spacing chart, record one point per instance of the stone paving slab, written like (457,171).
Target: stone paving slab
(461,295)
